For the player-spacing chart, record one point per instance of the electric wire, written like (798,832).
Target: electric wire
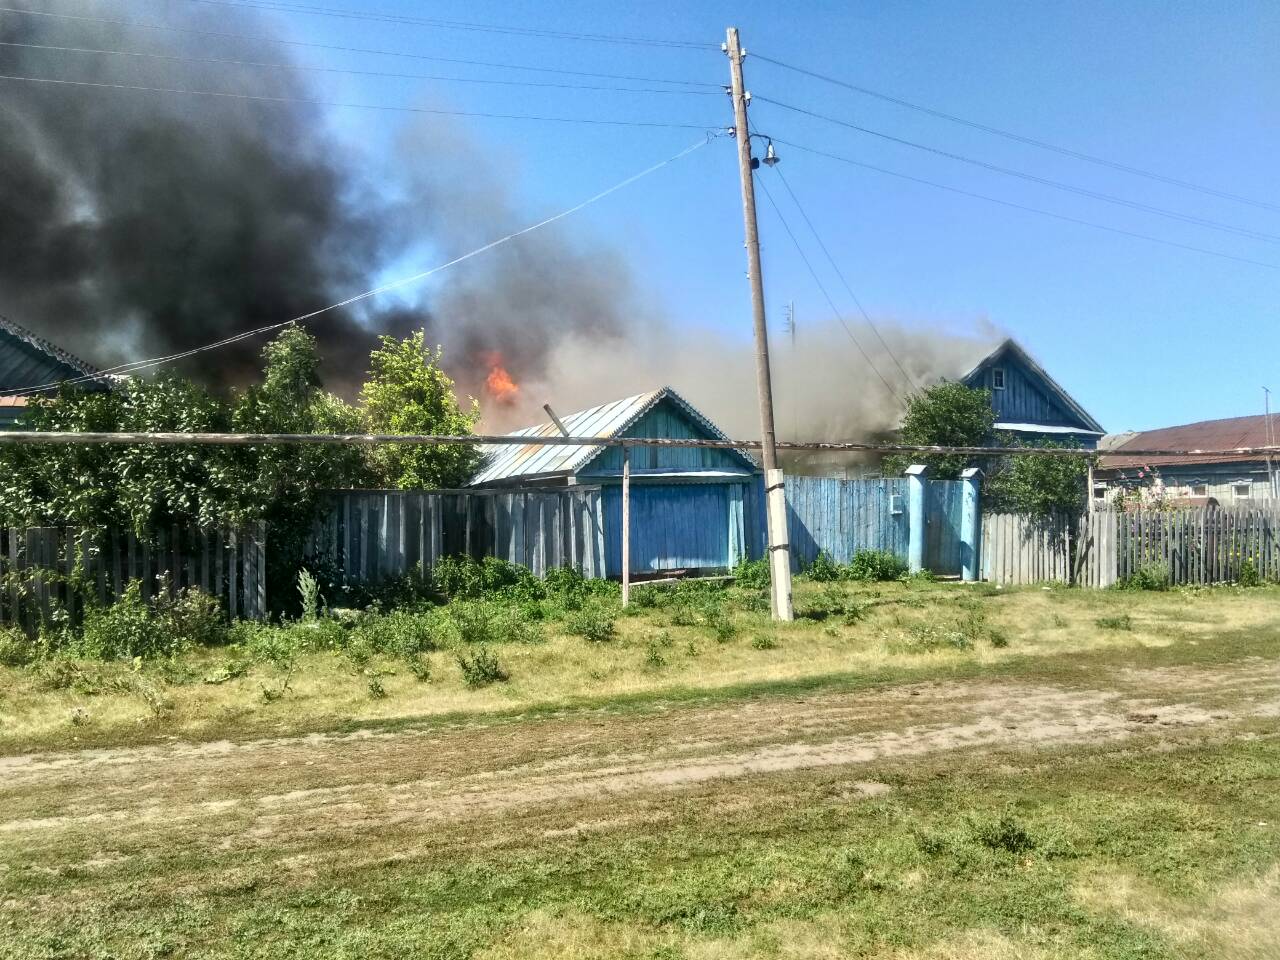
(136,365)
(1033,178)
(260,38)
(224,61)
(349,14)
(840,273)
(434,111)
(817,280)
(1019,138)
(1024,207)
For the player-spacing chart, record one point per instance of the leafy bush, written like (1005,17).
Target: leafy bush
(764,642)
(874,565)
(126,629)
(15,649)
(723,627)
(753,574)
(593,622)
(653,658)
(1007,834)
(309,594)
(824,569)
(484,621)
(1249,576)
(402,633)
(193,616)
(1149,576)
(481,669)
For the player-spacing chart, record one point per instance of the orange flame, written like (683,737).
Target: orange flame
(499,383)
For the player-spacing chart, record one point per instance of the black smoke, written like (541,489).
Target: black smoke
(135,224)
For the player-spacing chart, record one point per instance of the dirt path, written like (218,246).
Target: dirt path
(275,788)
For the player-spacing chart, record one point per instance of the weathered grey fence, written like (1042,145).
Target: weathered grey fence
(838,517)
(1200,545)
(48,569)
(1066,548)
(369,535)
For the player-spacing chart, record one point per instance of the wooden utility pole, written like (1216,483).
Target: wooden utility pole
(775,498)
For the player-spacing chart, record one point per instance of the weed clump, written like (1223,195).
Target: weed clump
(1249,576)
(752,574)
(764,641)
(1118,621)
(1149,576)
(1006,834)
(876,565)
(595,623)
(481,669)
(485,622)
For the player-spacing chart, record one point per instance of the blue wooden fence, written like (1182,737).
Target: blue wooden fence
(677,526)
(942,547)
(839,517)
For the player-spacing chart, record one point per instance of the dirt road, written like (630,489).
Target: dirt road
(350,784)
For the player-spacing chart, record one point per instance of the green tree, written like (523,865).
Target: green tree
(408,392)
(946,414)
(1038,485)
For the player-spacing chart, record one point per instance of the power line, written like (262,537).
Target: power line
(349,14)
(1044,181)
(263,98)
(1019,138)
(259,38)
(817,280)
(1028,209)
(363,73)
(840,273)
(136,365)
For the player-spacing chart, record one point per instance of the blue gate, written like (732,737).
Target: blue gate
(942,509)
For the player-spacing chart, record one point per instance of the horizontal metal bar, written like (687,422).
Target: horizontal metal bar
(13,437)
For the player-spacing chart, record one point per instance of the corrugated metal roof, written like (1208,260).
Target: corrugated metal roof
(508,462)
(1206,435)
(37,361)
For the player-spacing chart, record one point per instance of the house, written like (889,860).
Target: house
(1224,478)
(28,361)
(692,509)
(1028,403)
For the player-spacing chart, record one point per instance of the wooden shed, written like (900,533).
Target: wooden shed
(693,510)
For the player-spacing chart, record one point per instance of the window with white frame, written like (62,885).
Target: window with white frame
(1242,489)
(1099,491)
(997,378)
(1198,489)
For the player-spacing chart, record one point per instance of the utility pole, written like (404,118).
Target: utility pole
(775,497)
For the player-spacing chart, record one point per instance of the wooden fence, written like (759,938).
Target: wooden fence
(368,535)
(44,570)
(838,517)
(1201,545)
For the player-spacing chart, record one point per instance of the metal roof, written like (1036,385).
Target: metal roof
(32,361)
(1207,435)
(508,462)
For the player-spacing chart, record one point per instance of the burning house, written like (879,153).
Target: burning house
(692,509)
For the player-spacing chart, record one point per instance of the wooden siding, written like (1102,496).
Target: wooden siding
(367,536)
(687,526)
(1024,399)
(839,517)
(665,421)
(36,564)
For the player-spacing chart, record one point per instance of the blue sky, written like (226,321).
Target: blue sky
(1142,334)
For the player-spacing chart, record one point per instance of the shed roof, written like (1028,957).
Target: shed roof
(1208,435)
(607,421)
(27,360)
(1012,347)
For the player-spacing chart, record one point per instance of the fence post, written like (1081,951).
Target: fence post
(916,479)
(971,524)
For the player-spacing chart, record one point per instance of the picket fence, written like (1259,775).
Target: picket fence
(1201,545)
(364,536)
(44,570)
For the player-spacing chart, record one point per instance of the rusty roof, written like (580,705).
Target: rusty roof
(1207,435)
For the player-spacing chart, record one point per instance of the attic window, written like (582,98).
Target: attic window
(997,378)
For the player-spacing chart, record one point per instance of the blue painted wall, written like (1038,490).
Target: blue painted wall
(665,421)
(677,526)
(1024,398)
(839,517)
